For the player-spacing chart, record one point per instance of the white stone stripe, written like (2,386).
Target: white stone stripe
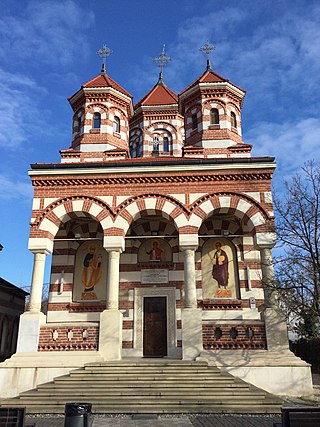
(49,226)
(77,205)
(95,210)
(59,211)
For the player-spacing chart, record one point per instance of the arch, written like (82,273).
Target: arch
(241,205)
(135,142)
(134,208)
(61,210)
(166,134)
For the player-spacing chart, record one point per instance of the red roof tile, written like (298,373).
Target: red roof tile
(160,94)
(103,80)
(209,76)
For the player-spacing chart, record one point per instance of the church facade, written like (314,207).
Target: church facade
(158,224)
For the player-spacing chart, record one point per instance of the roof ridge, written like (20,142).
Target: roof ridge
(102,78)
(159,87)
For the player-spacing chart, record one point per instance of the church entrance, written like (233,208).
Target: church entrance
(155,327)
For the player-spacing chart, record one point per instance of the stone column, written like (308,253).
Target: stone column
(275,324)
(113,280)
(37,282)
(191,316)
(33,318)
(110,332)
(190,278)
(267,276)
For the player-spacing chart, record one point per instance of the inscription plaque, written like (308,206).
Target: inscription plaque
(154,276)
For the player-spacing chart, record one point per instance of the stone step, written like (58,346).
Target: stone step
(141,385)
(219,408)
(151,388)
(136,394)
(141,378)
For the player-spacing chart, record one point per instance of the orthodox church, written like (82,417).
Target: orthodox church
(159,223)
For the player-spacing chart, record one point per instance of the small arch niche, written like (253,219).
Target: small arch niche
(218,333)
(233,333)
(155,251)
(96,122)
(233,120)
(214,116)
(116,124)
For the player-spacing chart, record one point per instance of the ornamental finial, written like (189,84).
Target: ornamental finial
(161,60)
(207,48)
(104,52)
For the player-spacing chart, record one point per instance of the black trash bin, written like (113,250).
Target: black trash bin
(77,414)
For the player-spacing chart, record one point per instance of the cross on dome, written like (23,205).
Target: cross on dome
(207,48)
(161,60)
(104,52)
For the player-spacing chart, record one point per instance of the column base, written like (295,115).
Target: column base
(276,331)
(191,322)
(110,334)
(29,329)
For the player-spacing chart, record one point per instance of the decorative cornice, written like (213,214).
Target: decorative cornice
(39,181)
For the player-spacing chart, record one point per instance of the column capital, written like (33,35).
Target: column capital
(265,240)
(188,241)
(188,251)
(40,245)
(114,243)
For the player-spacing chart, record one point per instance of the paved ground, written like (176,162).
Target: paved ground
(168,421)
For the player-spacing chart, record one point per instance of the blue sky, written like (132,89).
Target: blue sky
(48,49)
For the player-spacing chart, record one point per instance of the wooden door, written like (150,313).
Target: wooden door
(155,327)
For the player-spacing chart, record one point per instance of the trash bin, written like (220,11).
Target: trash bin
(77,414)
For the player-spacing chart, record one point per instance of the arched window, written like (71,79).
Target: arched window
(194,121)
(96,121)
(214,116)
(165,144)
(233,120)
(116,124)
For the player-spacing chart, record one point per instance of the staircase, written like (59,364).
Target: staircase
(149,386)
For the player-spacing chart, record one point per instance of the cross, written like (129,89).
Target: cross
(104,52)
(161,60)
(207,48)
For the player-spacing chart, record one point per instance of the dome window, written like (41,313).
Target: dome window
(233,120)
(214,116)
(194,121)
(116,124)
(96,121)
(165,144)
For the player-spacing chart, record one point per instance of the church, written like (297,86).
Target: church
(159,226)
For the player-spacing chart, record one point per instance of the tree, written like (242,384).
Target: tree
(297,268)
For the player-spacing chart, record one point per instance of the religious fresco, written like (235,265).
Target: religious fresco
(90,272)
(155,250)
(219,269)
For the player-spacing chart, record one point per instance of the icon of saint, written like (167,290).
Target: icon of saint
(156,253)
(220,266)
(92,269)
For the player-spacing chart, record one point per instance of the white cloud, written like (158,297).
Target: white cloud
(50,32)
(292,143)
(18,111)
(13,189)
